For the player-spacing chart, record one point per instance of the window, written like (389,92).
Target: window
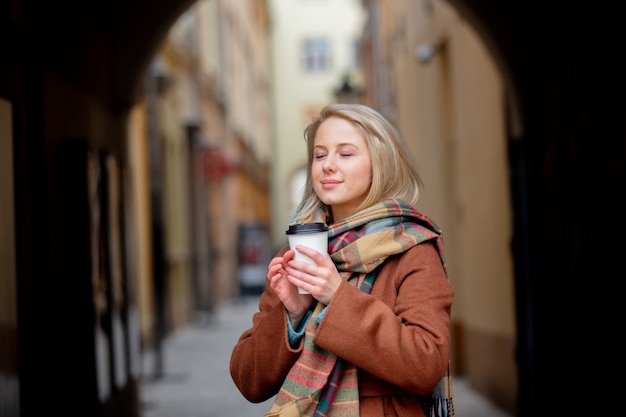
(316,55)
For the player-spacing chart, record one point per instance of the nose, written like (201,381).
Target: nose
(329,163)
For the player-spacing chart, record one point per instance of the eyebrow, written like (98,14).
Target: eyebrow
(339,145)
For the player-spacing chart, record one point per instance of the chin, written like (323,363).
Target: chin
(329,201)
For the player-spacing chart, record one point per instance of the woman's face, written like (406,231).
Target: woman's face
(342,168)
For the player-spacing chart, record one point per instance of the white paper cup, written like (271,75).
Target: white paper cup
(313,235)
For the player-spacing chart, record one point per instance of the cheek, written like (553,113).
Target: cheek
(316,170)
(366,173)
(366,179)
(363,180)
(367,184)
(316,175)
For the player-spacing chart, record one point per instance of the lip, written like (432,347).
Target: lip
(329,184)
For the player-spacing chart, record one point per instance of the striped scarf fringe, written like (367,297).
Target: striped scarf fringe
(439,403)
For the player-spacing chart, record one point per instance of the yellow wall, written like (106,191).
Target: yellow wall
(451,109)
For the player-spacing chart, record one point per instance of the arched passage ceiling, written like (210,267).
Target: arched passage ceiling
(104,46)
(541,48)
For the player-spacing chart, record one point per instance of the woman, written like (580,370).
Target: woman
(372,336)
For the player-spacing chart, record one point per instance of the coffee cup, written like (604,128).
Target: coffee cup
(312,235)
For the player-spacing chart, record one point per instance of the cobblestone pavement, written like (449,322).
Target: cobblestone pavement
(196,380)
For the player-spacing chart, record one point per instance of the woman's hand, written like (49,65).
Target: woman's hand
(321,280)
(295,303)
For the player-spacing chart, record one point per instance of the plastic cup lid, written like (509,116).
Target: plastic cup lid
(307,228)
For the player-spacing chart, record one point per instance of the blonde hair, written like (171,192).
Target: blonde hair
(393,169)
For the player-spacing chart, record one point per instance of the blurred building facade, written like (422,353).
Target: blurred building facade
(314,48)
(429,72)
(199,147)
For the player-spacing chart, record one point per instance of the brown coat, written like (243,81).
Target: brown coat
(398,336)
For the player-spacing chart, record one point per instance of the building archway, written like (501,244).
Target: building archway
(71,72)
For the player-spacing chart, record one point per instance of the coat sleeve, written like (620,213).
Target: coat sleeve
(262,356)
(400,333)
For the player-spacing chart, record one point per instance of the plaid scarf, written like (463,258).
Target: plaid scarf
(320,384)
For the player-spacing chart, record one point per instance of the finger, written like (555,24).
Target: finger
(314,254)
(300,268)
(289,255)
(297,282)
(273,269)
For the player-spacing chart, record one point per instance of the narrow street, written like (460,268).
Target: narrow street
(197,383)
